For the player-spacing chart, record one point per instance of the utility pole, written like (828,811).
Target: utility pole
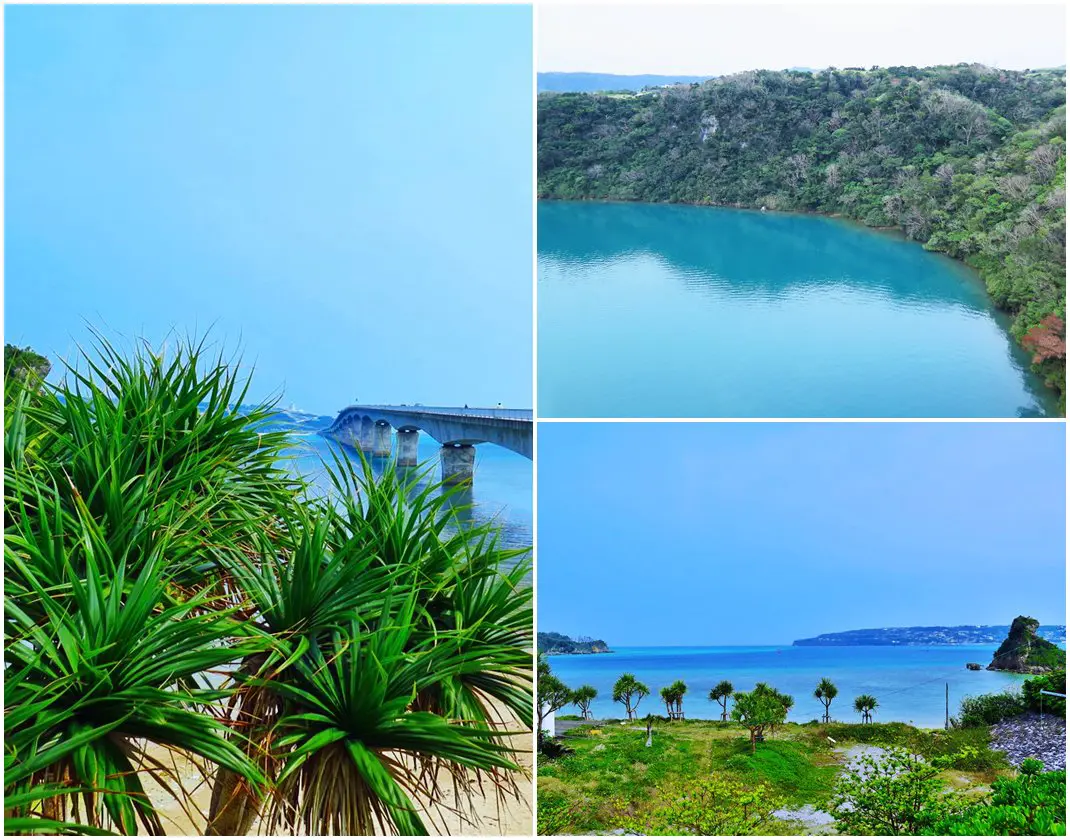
(947,707)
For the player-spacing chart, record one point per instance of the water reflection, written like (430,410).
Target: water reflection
(677,311)
(750,253)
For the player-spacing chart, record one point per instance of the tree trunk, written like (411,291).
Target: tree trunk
(235,804)
(234,807)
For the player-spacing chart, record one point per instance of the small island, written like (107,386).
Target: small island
(552,644)
(1025,652)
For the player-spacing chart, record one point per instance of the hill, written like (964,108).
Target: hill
(967,634)
(968,160)
(601,82)
(23,362)
(557,643)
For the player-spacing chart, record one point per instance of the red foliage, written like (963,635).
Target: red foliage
(1047,339)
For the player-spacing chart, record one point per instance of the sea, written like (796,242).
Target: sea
(676,311)
(501,490)
(909,682)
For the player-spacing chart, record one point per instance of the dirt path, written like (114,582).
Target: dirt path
(814,820)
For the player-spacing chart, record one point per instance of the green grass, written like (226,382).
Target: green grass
(612,776)
(802,774)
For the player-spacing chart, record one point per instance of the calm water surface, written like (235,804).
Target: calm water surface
(501,490)
(908,682)
(676,311)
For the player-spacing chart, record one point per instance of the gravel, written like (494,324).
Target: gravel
(1032,736)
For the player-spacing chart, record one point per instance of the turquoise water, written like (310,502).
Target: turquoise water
(501,488)
(908,682)
(677,311)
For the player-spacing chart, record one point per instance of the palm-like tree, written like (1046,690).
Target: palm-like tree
(370,642)
(629,691)
(826,692)
(668,697)
(679,689)
(583,697)
(865,704)
(722,693)
(553,694)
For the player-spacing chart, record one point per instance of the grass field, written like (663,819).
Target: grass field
(612,777)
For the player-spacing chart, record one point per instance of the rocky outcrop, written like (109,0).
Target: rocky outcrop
(973,666)
(1024,652)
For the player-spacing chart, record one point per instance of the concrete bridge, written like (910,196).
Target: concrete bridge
(458,430)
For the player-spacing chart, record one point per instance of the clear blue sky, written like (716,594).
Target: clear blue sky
(762,533)
(345,191)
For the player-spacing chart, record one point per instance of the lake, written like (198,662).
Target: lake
(676,311)
(907,681)
(501,488)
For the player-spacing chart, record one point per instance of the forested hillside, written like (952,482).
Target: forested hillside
(968,160)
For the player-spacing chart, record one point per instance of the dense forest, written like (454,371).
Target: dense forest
(968,160)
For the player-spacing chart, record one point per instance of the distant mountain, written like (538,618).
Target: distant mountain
(594,82)
(556,643)
(967,634)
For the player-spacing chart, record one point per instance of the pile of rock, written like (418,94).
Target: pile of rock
(1032,736)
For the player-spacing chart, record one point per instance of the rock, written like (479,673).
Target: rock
(1024,652)
(1032,736)
(973,666)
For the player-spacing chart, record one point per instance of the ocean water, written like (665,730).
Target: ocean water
(908,681)
(501,488)
(677,311)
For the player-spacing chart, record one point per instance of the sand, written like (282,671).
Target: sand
(493,817)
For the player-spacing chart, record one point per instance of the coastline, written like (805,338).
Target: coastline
(908,680)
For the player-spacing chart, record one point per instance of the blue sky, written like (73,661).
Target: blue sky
(762,533)
(345,192)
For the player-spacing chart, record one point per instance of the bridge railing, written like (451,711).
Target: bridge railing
(449,411)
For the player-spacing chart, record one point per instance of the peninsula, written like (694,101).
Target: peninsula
(964,634)
(553,644)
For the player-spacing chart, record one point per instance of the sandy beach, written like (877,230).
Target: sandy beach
(492,816)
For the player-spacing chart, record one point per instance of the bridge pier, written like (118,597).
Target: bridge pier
(408,443)
(367,435)
(351,434)
(381,447)
(458,462)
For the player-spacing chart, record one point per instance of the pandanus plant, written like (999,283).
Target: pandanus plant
(722,693)
(155,544)
(865,704)
(673,698)
(826,692)
(583,697)
(629,691)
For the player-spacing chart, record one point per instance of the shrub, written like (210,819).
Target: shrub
(1034,803)
(711,806)
(987,709)
(1035,701)
(894,793)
